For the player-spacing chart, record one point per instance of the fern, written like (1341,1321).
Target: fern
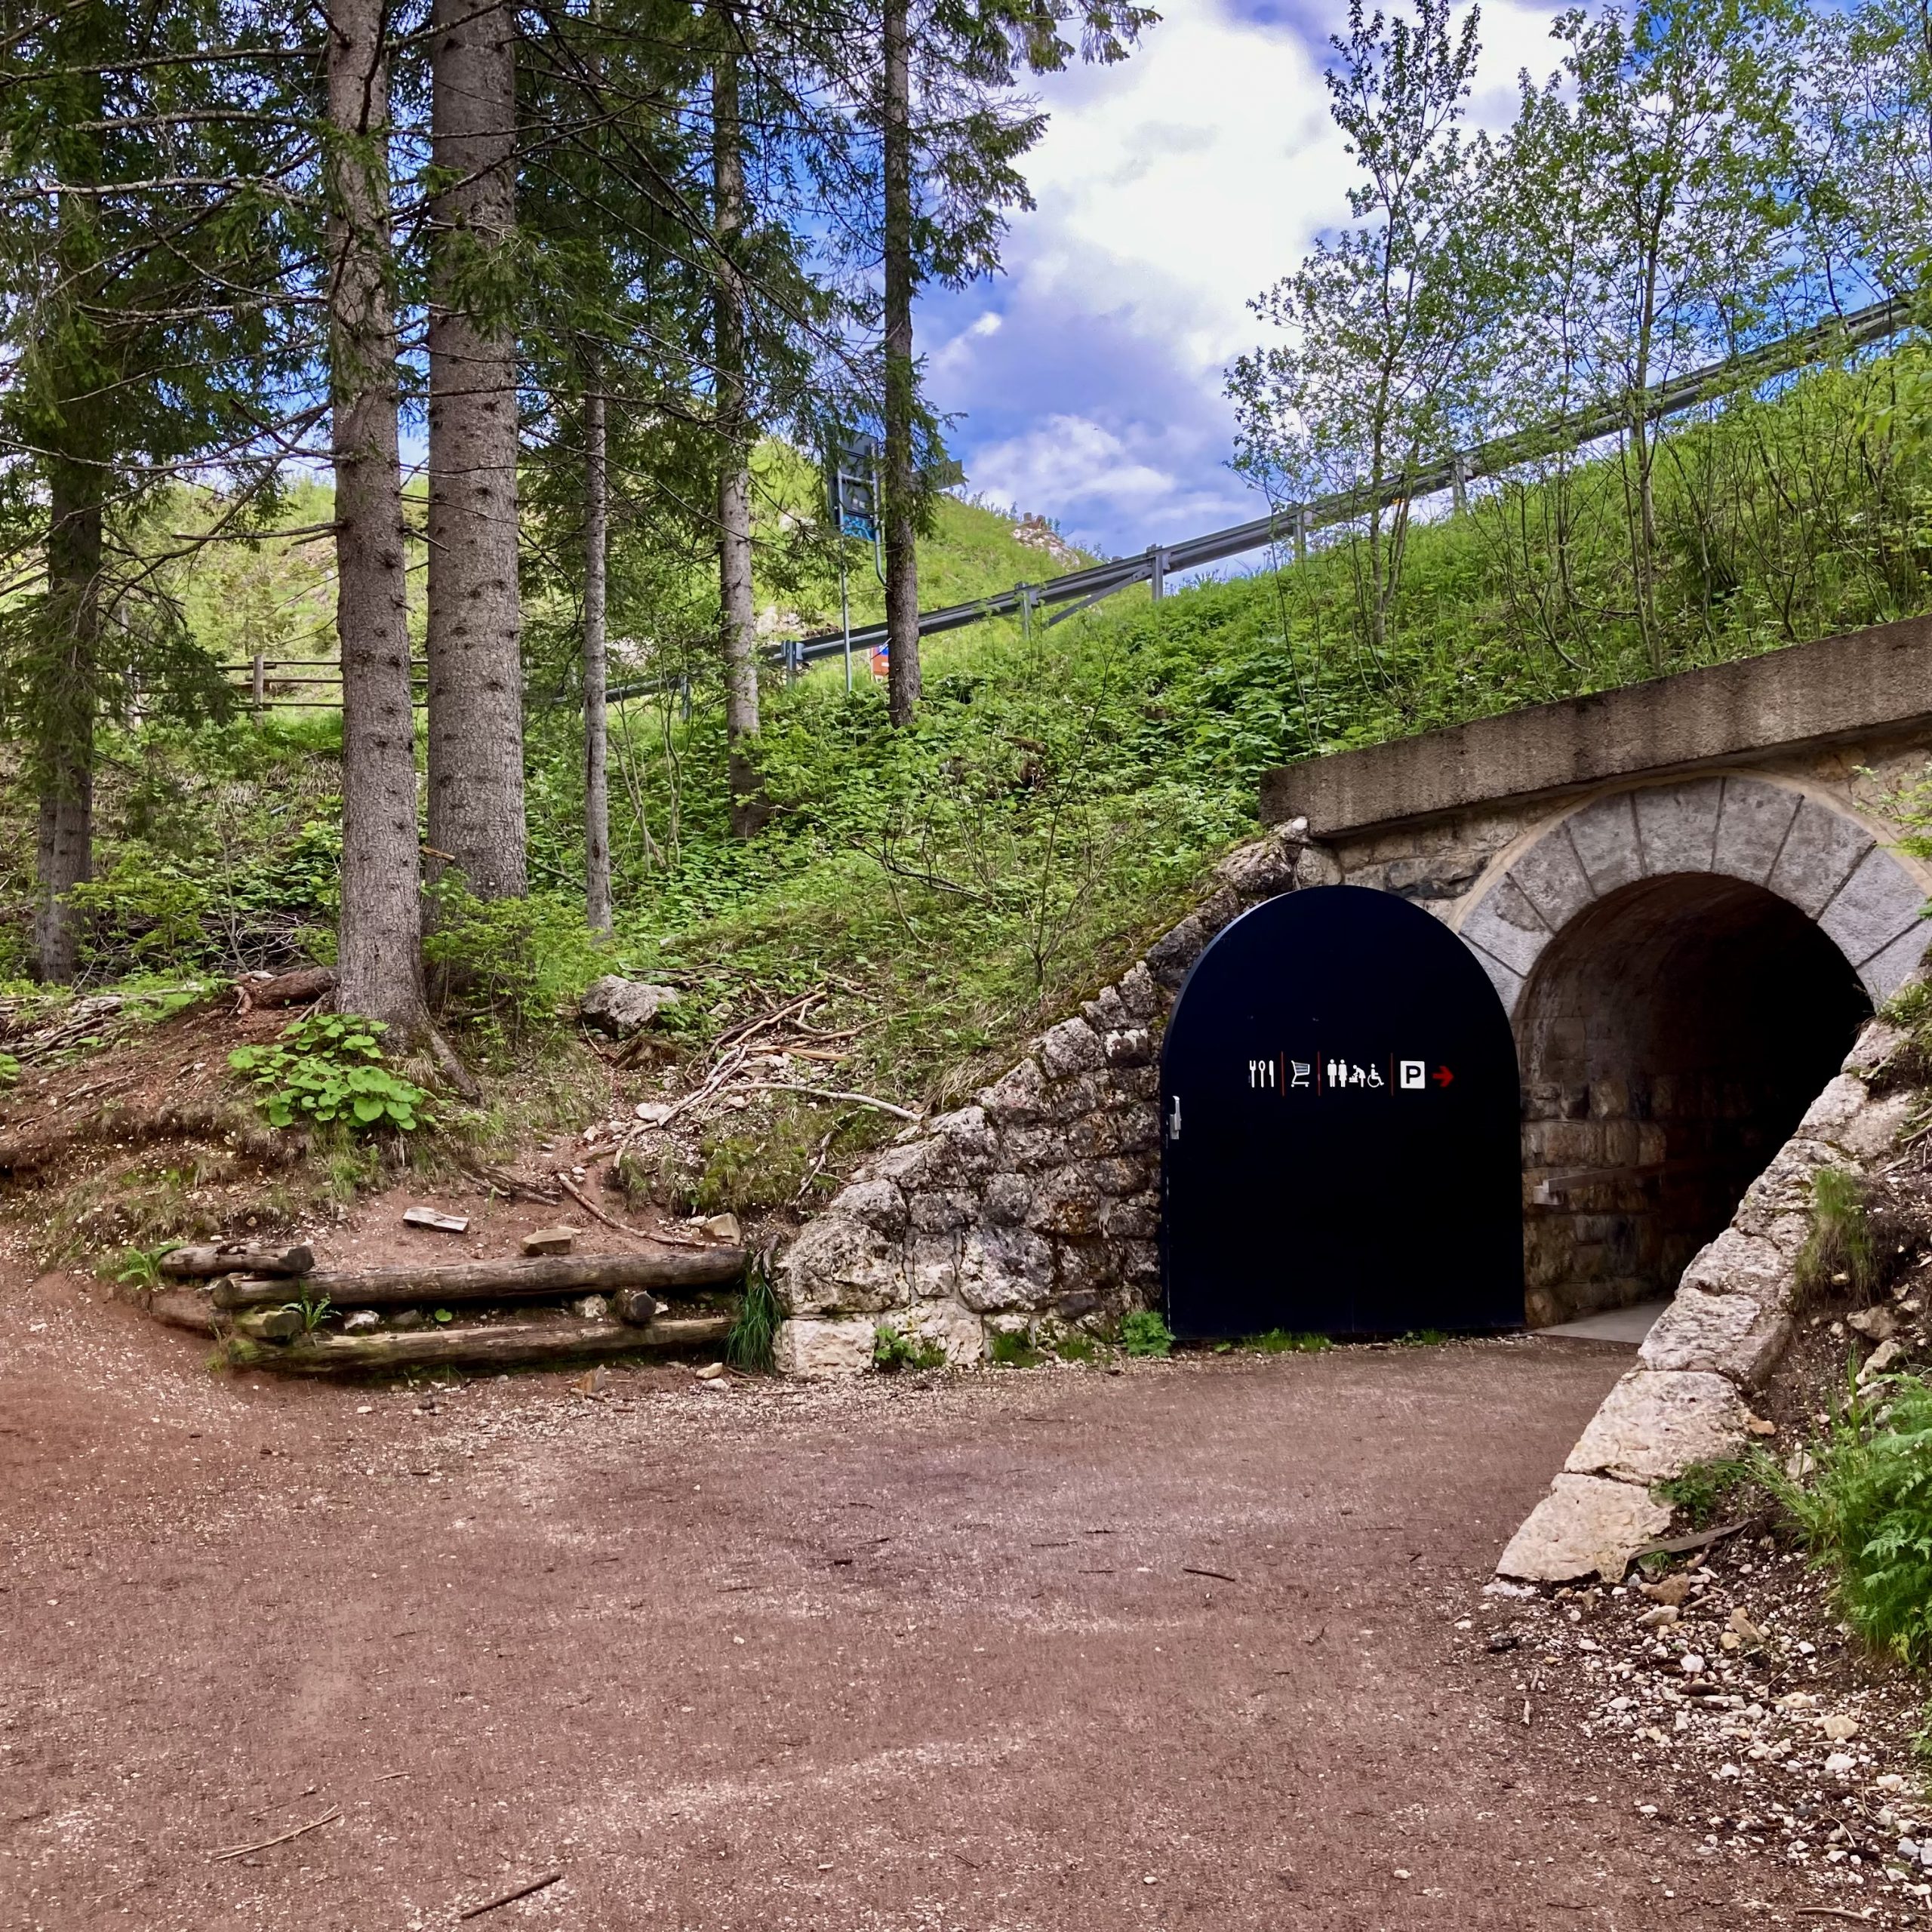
(1867,1513)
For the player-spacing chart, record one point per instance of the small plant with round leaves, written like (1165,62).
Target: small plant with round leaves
(326,1070)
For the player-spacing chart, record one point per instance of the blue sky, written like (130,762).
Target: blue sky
(1171,189)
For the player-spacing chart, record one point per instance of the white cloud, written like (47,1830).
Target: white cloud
(1171,189)
(1074,463)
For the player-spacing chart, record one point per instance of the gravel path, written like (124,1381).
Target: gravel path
(1169,1648)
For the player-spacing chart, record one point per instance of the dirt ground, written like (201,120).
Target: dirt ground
(1170,1646)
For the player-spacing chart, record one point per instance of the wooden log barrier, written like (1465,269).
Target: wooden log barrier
(500,1344)
(183,1308)
(491,1281)
(236,1257)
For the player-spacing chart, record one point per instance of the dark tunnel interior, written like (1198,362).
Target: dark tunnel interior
(1671,1039)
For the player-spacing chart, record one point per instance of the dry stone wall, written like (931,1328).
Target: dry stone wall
(1688,1399)
(1038,1207)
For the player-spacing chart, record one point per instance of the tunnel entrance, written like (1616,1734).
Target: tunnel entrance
(1671,1036)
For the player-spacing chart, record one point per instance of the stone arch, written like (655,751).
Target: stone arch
(1685,964)
(1807,847)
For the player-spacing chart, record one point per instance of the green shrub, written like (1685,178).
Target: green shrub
(314,1310)
(1012,1348)
(329,1068)
(140,1268)
(1075,1346)
(1143,1333)
(1866,1512)
(506,965)
(893,1351)
(1281,1342)
(1700,1492)
(749,1345)
(1838,1253)
(10,1071)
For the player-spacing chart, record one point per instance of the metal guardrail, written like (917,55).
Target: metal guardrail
(1296,522)
(1079,590)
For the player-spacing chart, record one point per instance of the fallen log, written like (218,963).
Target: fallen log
(183,1308)
(509,1280)
(500,1344)
(236,1257)
(296,989)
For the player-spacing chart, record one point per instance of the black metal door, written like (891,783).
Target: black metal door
(1340,1149)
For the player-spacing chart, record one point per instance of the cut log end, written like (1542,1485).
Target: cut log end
(638,1306)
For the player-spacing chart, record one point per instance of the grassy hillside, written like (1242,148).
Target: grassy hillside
(1056,801)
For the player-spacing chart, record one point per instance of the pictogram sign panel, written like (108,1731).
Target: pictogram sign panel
(1339,1128)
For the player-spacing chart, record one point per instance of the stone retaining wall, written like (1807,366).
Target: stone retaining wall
(1038,1207)
(1687,1399)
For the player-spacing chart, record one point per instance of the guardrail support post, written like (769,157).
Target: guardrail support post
(258,684)
(1157,577)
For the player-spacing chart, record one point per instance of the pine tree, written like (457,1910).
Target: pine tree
(147,226)
(951,131)
(475,681)
(380,969)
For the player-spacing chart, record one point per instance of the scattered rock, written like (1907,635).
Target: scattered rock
(1875,1324)
(1671,1592)
(363,1322)
(724,1227)
(270,1324)
(592,1307)
(433,1217)
(557,1240)
(620,1007)
(711,1372)
(1881,1359)
(654,1113)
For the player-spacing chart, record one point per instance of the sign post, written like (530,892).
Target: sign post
(851,473)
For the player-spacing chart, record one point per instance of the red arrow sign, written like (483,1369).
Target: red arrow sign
(1442,1076)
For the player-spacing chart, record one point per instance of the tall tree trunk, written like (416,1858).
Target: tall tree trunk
(596,738)
(67,707)
(902,565)
(476,813)
(379,972)
(737,616)
(74,414)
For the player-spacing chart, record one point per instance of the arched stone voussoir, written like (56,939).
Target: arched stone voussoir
(1811,850)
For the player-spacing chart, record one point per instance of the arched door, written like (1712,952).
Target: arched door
(1340,1135)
